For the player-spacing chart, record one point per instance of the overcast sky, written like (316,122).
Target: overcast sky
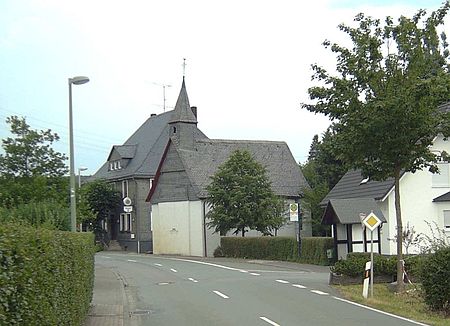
(248,65)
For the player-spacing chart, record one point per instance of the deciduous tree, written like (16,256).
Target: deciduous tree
(241,198)
(385,95)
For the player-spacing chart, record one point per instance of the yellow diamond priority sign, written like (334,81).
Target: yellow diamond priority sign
(371,221)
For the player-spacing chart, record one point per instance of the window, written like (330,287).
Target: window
(441,179)
(111,166)
(124,188)
(364,181)
(122,222)
(125,222)
(447,220)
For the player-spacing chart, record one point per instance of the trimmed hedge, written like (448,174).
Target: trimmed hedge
(383,265)
(46,277)
(314,250)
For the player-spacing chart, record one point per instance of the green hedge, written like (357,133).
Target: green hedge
(383,265)
(314,250)
(46,277)
(435,276)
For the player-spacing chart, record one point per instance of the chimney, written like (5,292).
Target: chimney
(194,110)
(153,115)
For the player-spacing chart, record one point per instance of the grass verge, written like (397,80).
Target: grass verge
(409,304)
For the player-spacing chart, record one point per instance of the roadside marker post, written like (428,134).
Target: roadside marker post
(371,222)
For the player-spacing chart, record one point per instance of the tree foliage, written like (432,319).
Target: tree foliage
(241,198)
(322,171)
(30,169)
(96,200)
(385,95)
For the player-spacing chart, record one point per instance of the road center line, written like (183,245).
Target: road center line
(379,311)
(282,281)
(132,261)
(267,320)
(255,274)
(174,270)
(192,280)
(159,265)
(220,294)
(299,286)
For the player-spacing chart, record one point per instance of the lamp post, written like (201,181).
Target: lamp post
(73,204)
(81,168)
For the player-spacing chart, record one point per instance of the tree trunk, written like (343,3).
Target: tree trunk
(243,232)
(398,213)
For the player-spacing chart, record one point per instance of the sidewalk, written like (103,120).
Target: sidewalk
(107,305)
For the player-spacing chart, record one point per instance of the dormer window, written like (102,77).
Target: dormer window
(364,181)
(115,165)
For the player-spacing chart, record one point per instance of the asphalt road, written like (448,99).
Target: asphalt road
(185,291)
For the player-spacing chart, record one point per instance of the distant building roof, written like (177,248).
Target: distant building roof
(347,211)
(125,151)
(283,170)
(350,186)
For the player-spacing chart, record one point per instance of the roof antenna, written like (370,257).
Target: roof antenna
(164,93)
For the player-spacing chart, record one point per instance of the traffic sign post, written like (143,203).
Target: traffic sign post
(371,222)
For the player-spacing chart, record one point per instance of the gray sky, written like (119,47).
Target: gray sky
(248,65)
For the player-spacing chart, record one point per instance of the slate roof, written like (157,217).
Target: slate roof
(283,171)
(350,187)
(183,111)
(442,198)
(346,211)
(125,151)
(148,141)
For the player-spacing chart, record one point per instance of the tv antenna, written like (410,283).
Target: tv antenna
(164,93)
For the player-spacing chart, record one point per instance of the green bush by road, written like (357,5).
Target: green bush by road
(314,250)
(46,277)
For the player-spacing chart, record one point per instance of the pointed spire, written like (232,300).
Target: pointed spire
(183,111)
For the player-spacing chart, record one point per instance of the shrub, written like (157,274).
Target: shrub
(46,277)
(277,248)
(48,214)
(435,276)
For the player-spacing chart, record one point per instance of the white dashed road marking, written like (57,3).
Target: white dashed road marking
(319,292)
(192,280)
(282,281)
(267,320)
(158,265)
(255,274)
(299,286)
(220,294)
(132,261)
(174,270)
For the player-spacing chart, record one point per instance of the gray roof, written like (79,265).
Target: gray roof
(183,111)
(125,151)
(283,171)
(347,211)
(445,107)
(442,198)
(350,187)
(148,142)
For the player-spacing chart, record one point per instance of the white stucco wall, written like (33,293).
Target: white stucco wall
(416,196)
(178,229)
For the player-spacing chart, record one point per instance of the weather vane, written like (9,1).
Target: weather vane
(184,67)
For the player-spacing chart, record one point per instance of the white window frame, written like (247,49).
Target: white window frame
(129,222)
(111,166)
(121,222)
(446,220)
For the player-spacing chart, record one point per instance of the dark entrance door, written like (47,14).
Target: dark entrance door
(113,225)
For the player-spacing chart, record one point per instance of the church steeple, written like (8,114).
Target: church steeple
(183,122)
(183,111)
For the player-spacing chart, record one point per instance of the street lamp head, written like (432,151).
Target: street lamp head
(82,168)
(78,80)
